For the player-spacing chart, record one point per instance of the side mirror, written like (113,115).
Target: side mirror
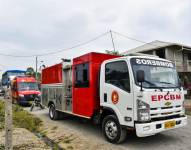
(140,76)
(180,83)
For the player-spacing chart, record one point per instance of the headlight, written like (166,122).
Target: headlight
(143,111)
(21,95)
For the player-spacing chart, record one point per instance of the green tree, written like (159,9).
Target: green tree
(112,52)
(30,71)
(38,76)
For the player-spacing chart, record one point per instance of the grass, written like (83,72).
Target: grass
(54,128)
(2,147)
(21,118)
(188,112)
(70,147)
(2,115)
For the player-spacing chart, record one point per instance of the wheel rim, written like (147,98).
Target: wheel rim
(111,129)
(51,111)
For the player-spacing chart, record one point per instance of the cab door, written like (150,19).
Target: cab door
(116,91)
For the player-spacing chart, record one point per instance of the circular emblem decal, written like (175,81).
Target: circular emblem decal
(115,97)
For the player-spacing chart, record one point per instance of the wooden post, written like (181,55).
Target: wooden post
(8,123)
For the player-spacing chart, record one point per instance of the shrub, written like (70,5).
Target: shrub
(21,118)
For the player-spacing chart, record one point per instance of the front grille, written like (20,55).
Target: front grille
(167,107)
(30,97)
(165,111)
(166,118)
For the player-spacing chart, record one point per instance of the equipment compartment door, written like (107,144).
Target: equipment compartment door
(67,76)
(44,96)
(58,98)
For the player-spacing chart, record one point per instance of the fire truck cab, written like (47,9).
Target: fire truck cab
(24,90)
(132,92)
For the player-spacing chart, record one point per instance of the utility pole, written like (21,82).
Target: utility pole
(112,40)
(8,121)
(36,67)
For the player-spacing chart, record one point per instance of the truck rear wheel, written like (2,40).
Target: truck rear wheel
(53,113)
(112,130)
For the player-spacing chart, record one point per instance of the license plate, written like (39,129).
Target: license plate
(169,124)
(30,102)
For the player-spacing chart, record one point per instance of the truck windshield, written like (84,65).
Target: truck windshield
(158,74)
(23,86)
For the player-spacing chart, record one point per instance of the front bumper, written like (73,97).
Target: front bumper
(147,129)
(27,99)
(23,101)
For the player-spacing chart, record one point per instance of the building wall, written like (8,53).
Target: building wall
(179,57)
(175,54)
(169,53)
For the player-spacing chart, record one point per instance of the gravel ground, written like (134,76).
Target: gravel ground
(24,140)
(71,133)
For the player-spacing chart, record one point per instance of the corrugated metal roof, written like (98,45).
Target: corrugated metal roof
(15,71)
(153,45)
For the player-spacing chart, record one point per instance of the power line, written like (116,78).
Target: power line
(80,44)
(59,51)
(133,39)
(75,46)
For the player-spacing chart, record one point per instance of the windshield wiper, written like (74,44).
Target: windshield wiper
(150,82)
(155,86)
(179,87)
(168,83)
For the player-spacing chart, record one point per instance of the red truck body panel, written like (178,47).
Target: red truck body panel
(52,74)
(86,100)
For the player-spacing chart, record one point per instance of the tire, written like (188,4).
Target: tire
(53,113)
(112,130)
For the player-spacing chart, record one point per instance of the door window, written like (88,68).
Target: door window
(82,75)
(117,74)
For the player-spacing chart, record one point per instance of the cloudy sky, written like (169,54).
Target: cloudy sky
(33,27)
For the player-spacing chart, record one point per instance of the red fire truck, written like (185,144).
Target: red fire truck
(132,92)
(24,89)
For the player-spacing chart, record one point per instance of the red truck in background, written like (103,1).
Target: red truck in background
(24,90)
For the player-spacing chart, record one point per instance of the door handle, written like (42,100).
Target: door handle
(105,97)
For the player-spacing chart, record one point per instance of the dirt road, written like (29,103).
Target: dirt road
(179,139)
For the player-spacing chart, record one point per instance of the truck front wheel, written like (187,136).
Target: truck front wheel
(112,129)
(53,113)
